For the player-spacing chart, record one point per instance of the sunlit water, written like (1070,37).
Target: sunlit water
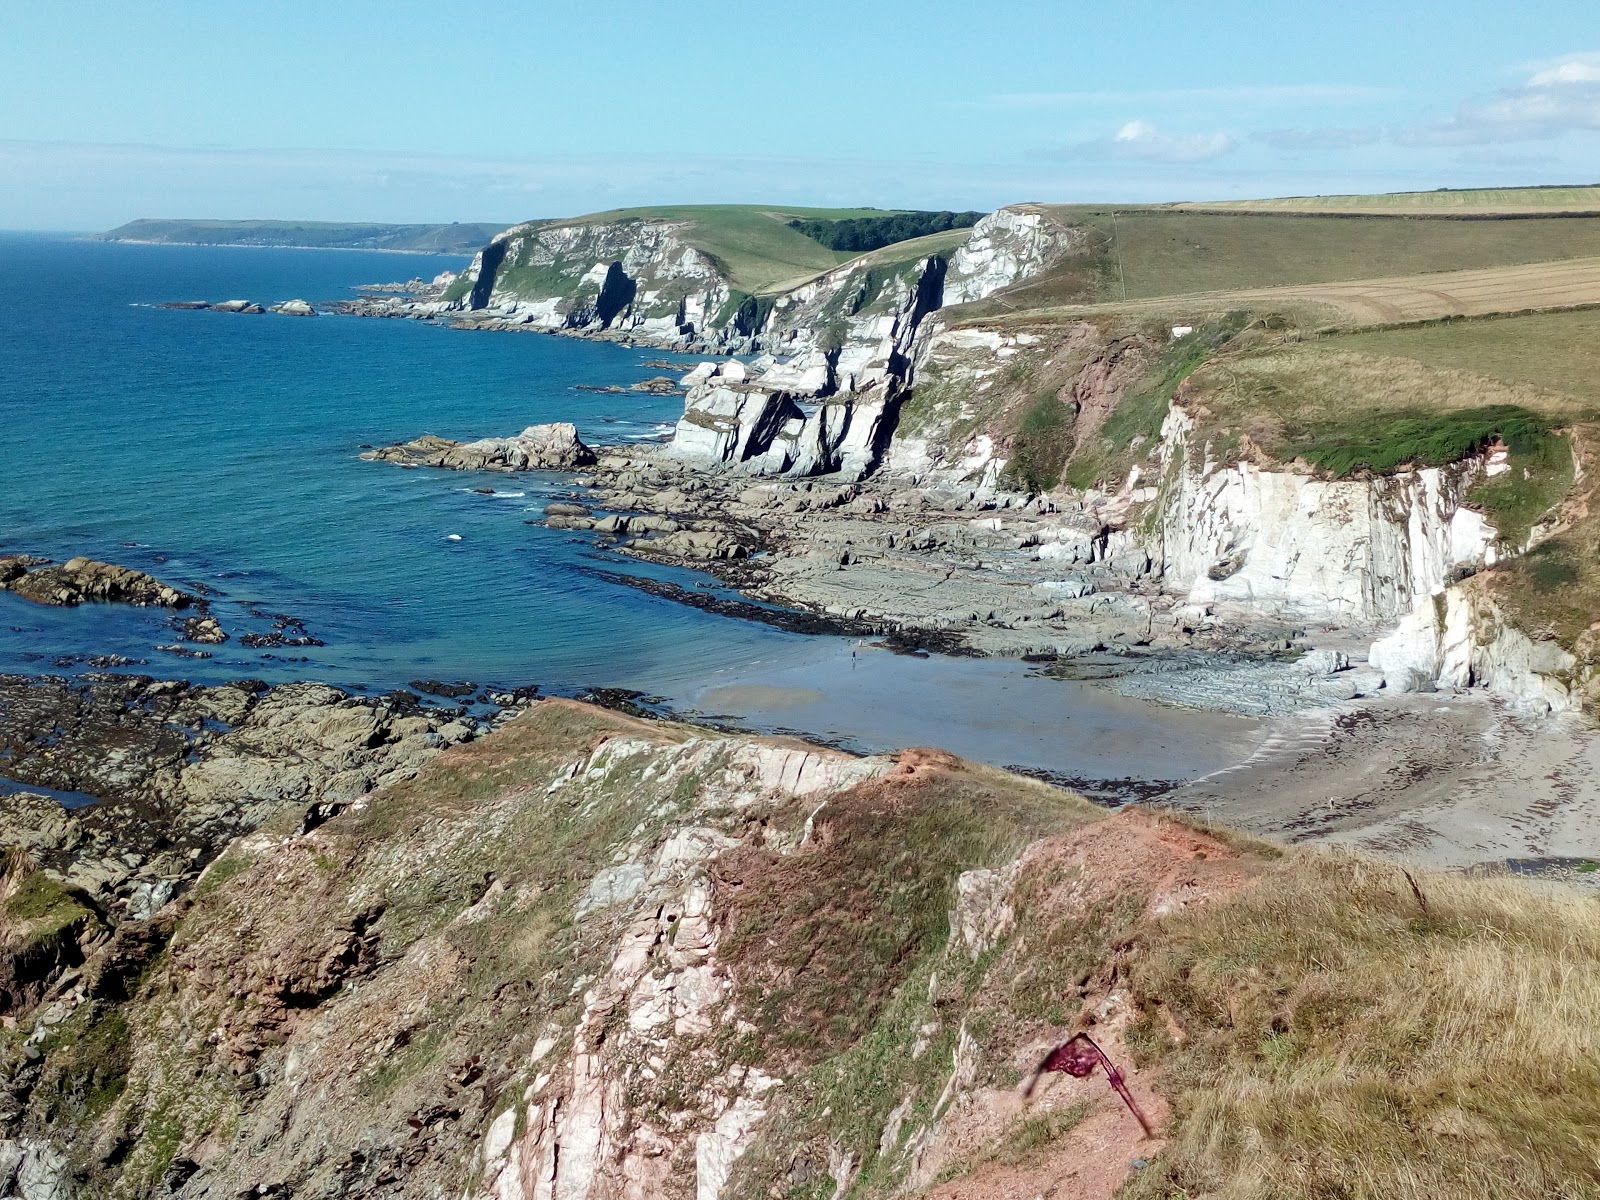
(219,452)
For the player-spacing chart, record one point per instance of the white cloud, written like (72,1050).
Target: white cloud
(1141,139)
(1574,68)
(1561,97)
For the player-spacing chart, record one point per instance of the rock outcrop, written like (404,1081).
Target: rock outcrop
(728,422)
(294,308)
(1008,245)
(175,771)
(552,447)
(85,579)
(1284,541)
(1458,638)
(635,275)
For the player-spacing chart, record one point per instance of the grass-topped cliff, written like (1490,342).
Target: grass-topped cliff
(594,953)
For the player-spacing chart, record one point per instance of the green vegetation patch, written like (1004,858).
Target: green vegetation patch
(860,234)
(1541,473)
(44,906)
(1419,438)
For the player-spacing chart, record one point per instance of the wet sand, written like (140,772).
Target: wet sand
(994,710)
(1443,780)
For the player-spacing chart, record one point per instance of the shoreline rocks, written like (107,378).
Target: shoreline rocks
(553,447)
(177,770)
(85,579)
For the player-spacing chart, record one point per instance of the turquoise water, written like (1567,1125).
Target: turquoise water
(220,451)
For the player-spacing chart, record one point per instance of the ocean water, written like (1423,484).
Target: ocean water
(220,453)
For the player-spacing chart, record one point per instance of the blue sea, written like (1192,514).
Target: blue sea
(219,452)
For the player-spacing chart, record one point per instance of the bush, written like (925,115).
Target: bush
(860,234)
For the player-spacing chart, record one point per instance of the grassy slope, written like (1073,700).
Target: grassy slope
(1475,201)
(1341,1038)
(1319,1031)
(442,239)
(753,242)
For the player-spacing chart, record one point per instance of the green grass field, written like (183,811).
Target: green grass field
(1444,201)
(1144,253)
(1559,351)
(754,244)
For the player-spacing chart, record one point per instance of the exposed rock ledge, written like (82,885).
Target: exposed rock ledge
(1460,639)
(80,579)
(553,447)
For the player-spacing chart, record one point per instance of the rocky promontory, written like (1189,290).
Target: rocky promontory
(553,447)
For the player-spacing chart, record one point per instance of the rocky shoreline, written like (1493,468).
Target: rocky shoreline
(176,771)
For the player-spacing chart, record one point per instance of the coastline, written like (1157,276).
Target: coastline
(248,246)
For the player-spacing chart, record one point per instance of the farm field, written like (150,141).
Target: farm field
(1143,253)
(1442,202)
(1559,351)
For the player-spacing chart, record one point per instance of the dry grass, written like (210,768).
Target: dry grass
(1344,1039)
(1356,303)
(1476,202)
(1298,399)
(1559,351)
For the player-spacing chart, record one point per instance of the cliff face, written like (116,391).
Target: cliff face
(1007,246)
(636,275)
(1350,551)
(837,331)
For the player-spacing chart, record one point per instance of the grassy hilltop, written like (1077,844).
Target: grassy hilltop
(899,945)
(760,248)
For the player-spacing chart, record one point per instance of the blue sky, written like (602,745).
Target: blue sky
(405,111)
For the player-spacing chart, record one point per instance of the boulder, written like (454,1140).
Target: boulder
(294,308)
(237,306)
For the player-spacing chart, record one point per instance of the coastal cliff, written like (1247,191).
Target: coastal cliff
(589,957)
